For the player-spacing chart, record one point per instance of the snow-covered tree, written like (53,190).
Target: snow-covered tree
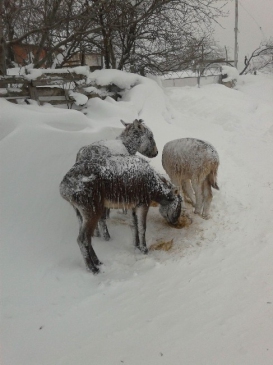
(155,35)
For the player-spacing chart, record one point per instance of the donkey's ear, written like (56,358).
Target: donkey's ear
(175,190)
(137,123)
(125,124)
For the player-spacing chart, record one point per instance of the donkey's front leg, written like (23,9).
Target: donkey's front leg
(141,213)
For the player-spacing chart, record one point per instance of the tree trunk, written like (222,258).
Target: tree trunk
(105,40)
(3,67)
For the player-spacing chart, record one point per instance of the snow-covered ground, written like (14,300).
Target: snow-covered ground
(207,301)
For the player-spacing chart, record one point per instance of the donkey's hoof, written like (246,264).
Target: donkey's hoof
(94,269)
(197,212)
(96,233)
(106,237)
(98,263)
(144,250)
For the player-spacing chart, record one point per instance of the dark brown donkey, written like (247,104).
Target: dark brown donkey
(136,137)
(116,182)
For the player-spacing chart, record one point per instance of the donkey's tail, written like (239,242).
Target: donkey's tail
(212,177)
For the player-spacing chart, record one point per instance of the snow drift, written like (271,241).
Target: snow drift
(206,301)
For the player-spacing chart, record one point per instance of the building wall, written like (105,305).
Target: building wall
(87,59)
(93,60)
(23,54)
(191,81)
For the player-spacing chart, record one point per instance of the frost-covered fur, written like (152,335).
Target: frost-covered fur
(192,164)
(136,137)
(116,182)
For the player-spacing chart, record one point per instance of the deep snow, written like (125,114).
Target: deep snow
(207,301)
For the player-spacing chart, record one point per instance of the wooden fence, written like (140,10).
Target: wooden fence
(53,88)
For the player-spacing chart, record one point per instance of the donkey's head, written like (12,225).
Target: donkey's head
(170,207)
(137,137)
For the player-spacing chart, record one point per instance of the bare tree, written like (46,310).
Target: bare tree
(51,25)
(260,59)
(155,35)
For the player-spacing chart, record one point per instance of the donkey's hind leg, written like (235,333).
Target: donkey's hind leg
(85,243)
(198,189)
(188,191)
(207,195)
(89,262)
(82,239)
(78,215)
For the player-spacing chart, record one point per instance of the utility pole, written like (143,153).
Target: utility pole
(236,35)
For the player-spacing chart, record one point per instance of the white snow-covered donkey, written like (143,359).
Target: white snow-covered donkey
(192,165)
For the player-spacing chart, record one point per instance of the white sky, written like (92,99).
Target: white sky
(253,14)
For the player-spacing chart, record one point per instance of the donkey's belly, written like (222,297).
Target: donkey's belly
(118,205)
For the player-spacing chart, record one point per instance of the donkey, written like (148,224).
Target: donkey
(136,137)
(116,182)
(192,164)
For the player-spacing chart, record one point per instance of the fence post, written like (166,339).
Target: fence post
(33,93)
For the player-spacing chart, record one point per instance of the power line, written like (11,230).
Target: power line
(253,19)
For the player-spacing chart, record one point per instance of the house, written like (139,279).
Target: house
(93,60)
(24,55)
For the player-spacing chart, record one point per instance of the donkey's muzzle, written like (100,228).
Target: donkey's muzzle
(154,153)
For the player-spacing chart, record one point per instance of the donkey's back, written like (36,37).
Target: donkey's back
(136,137)
(115,182)
(187,157)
